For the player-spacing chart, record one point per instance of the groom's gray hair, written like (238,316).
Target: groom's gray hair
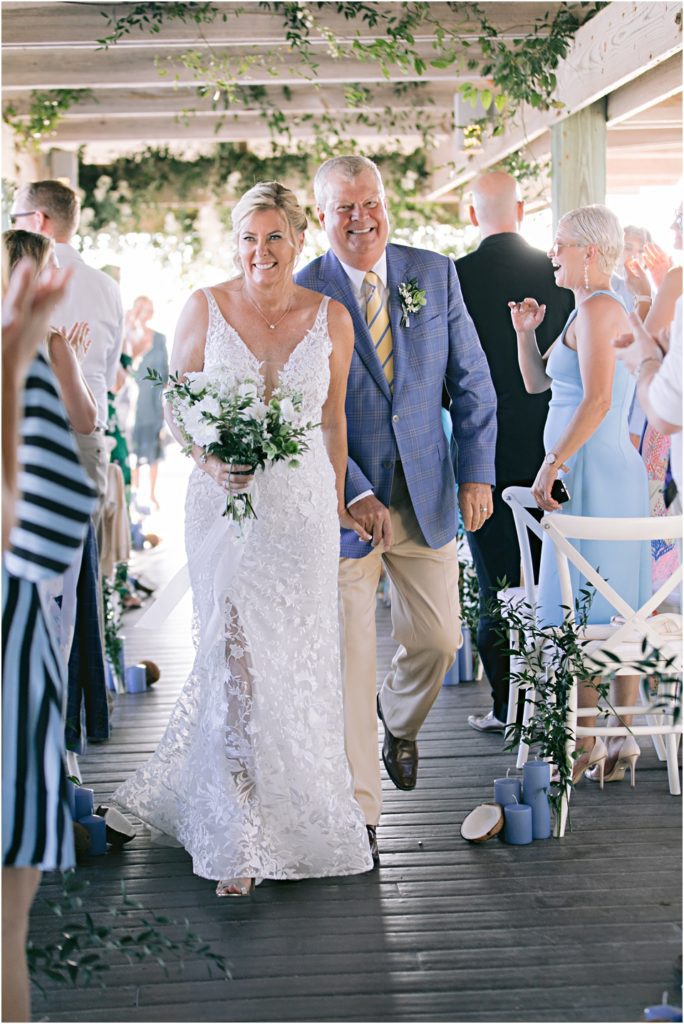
(349,167)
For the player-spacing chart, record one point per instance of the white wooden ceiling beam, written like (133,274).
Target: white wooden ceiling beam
(623,41)
(30,25)
(199,127)
(301,99)
(120,68)
(657,85)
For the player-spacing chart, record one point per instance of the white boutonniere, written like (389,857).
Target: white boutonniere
(412,298)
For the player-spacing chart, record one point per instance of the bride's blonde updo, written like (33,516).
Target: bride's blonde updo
(269,195)
(596,225)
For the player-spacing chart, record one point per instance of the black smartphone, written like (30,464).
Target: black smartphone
(559,492)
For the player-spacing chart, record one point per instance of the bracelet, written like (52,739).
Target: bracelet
(648,359)
(638,299)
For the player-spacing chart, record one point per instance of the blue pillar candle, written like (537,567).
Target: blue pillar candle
(83,802)
(71,797)
(136,679)
(465,657)
(536,785)
(452,677)
(97,829)
(507,791)
(517,824)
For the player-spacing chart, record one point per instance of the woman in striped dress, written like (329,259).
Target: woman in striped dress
(55,500)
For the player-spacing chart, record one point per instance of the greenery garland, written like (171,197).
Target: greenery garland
(520,71)
(141,192)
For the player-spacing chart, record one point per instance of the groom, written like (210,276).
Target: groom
(400,476)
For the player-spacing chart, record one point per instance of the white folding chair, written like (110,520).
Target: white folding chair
(616,647)
(524,598)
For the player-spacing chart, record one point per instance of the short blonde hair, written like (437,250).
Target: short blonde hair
(269,195)
(598,226)
(348,167)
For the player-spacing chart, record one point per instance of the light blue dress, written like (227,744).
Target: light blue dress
(606,477)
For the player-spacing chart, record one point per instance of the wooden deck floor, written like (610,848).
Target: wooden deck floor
(582,929)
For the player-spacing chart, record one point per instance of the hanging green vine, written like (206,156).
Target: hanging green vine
(521,70)
(45,111)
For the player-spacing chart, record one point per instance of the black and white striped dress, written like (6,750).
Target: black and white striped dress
(54,506)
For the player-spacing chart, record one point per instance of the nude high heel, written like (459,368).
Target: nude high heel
(596,763)
(628,755)
(235,887)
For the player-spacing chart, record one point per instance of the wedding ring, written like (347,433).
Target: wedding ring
(483,508)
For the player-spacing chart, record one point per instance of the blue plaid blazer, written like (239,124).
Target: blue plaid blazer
(440,346)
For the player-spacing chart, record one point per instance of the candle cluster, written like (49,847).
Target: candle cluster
(81,805)
(527,813)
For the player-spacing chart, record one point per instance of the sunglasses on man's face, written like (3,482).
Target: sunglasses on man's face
(15,216)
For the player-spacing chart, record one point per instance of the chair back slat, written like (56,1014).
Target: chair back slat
(616,527)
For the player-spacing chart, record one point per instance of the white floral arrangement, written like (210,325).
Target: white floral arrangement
(412,298)
(231,420)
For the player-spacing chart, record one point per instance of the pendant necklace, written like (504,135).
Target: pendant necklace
(263,315)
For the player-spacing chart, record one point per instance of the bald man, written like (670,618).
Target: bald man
(505,267)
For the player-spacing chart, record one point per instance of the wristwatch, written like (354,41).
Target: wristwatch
(203,457)
(550,458)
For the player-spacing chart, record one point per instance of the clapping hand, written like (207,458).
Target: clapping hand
(636,278)
(657,262)
(637,345)
(526,315)
(26,309)
(79,339)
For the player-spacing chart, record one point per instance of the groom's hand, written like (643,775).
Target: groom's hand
(476,505)
(374,517)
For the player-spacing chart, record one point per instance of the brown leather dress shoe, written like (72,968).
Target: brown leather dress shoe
(373,843)
(400,757)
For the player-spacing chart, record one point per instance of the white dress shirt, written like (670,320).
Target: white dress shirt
(360,290)
(95,297)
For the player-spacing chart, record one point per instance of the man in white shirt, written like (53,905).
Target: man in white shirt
(53,209)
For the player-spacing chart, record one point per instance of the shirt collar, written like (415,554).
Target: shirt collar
(356,276)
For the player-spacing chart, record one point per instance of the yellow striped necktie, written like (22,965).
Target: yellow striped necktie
(377,318)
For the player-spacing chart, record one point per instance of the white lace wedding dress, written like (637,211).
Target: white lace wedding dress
(251,775)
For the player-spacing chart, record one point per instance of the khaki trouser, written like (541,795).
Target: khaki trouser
(425,623)
(95,461)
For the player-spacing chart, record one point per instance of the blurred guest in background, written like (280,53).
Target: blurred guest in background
(148,351)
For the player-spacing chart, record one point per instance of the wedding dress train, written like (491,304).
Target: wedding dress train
(251,775)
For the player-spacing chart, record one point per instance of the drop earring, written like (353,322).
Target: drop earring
(586,276)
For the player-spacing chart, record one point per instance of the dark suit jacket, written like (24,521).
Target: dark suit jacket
(505,267)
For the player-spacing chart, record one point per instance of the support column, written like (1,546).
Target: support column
(578,160)
(64,166)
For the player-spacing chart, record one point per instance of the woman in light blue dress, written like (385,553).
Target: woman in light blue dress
(587,442)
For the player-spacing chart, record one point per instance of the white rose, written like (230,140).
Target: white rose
(248,389)
(201,432)
(287,410)
(208,404)
(206,433)
(197,382)
(256,411)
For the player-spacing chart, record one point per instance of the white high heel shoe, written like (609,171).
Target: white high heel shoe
(628,755)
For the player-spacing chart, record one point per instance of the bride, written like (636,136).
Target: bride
(251,775)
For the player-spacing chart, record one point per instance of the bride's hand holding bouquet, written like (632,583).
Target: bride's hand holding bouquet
(237,430)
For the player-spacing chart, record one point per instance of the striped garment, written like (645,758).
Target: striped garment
(53,511)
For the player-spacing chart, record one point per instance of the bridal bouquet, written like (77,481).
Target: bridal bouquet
(229,419)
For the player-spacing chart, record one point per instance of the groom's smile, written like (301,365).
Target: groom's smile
(355,219)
